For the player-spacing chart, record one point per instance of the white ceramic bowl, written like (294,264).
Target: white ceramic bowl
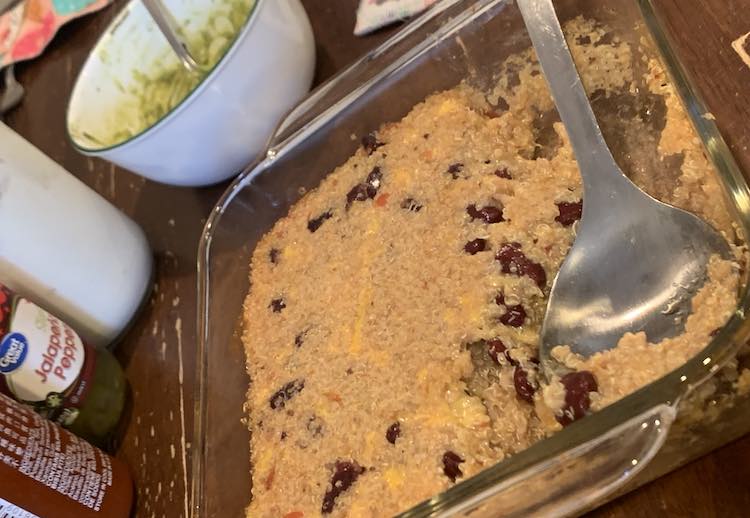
(224,122)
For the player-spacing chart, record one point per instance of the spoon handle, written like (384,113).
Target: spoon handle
(598,168)
(169,28)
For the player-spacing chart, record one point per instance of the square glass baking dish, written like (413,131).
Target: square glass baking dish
(685,414)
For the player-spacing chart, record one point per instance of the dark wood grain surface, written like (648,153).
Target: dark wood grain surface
(159,352)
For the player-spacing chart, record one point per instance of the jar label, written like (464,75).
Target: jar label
(45,363)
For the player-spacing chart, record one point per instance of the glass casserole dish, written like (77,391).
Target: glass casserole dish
(690,411)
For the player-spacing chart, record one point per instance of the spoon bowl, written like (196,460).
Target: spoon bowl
(635,266)
(636,262)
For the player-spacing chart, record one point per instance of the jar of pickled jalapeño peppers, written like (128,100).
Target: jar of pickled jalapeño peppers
(46,365)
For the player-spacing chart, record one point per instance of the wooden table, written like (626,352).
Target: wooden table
(159,353)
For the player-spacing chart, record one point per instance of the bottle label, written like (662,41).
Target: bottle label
(8,510)
(44,362)
(50,472)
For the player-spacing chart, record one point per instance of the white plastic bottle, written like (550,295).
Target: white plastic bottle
(65,246)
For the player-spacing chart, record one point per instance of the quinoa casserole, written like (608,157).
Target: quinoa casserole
(392,326)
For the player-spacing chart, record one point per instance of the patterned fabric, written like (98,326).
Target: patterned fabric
(26,30)
(373,14)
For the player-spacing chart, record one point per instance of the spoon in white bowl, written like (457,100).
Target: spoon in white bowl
(164,20)
(170,29)
(636,262)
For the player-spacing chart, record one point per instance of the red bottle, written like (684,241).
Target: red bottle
(45,471)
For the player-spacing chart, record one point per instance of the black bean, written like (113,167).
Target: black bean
(371,143)
(277,305)
(359,192)
(524,389)
(393,432)
(315,223)
(503,172)
(451,468)
(374,178)
(455,169)
(514,261)
(577,385)
(569,212)
(345,473)
(475,246)
(488,214)
(282,396)
(497,347)
(366,190)
(515,314)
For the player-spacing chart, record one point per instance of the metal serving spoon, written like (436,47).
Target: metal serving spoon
(636,262)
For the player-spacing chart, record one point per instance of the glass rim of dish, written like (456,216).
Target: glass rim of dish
(668,390)
(186,100)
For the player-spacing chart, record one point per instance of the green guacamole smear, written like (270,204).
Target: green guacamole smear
(157,90)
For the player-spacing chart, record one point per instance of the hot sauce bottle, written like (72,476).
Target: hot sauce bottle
(46,365)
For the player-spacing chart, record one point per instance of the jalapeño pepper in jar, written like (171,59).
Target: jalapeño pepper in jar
(46,365)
